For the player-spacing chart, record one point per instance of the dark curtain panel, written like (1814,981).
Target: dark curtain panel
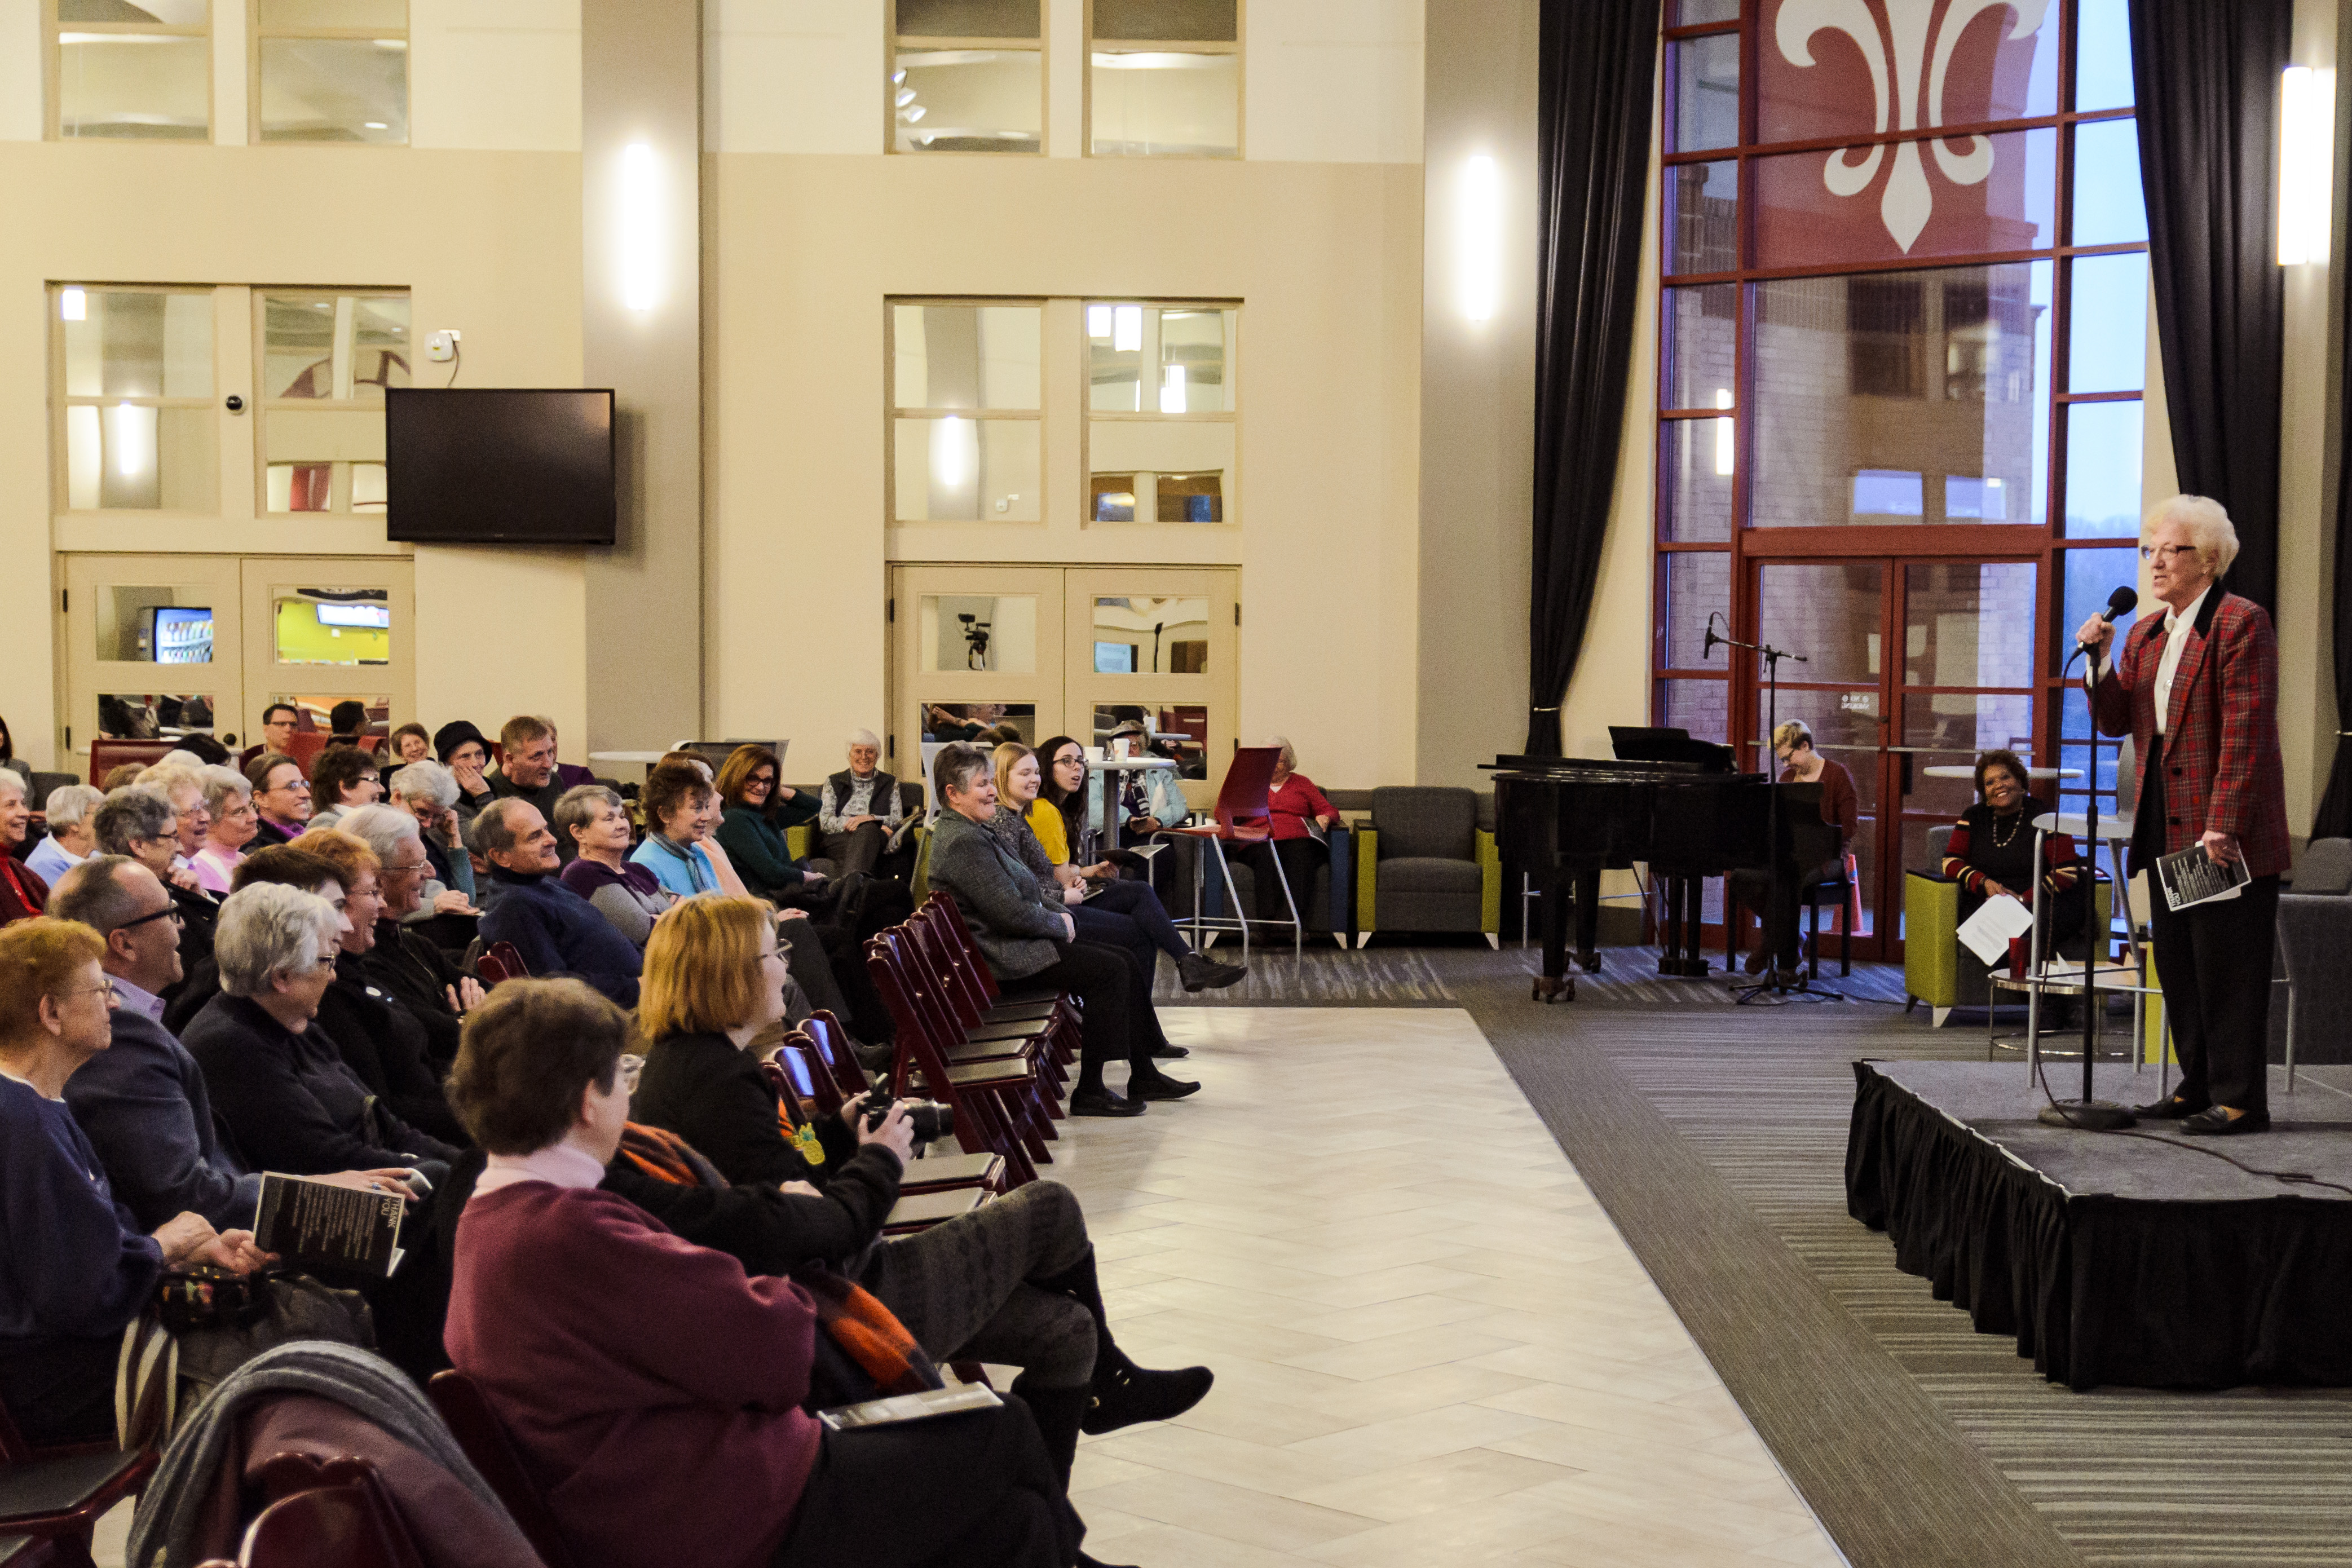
(2206,73)
(2334,818)
(1596,79)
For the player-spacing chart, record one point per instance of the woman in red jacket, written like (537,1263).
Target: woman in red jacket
(655,1389)
(23,894)
(1301,814)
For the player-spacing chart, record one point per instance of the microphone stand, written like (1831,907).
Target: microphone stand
(1793,982)
(2089,1113)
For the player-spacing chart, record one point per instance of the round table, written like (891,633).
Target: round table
(1111,794)
(1968,771)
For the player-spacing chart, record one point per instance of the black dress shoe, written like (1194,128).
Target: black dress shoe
(1103,1102)
(2215,1122)
(1157,1085)
(2171,1109)
(1168,1051)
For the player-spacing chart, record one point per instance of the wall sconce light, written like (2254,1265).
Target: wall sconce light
(1478,238)
(2306,195)
(640,217)
(73,304)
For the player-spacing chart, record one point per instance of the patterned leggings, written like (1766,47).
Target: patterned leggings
(963,1289)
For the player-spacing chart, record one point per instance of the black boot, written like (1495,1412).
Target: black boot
(1123,1393)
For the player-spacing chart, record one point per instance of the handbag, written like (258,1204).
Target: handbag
(205,1322)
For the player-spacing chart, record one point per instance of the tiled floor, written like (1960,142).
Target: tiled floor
(1431,1344)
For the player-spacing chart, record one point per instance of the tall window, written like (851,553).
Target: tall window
(966,76)
(133,379)
(1161,412)
(967,443)
(326,359)
(331,70)
(1164,78)
(130,71)
(1903,339)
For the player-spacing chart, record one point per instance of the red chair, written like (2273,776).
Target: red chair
(943,909)
(500,962)
(965,970)
(984,1121)
(484,1437)
(961,1043)
(306,745)
(831,1043)
(1242,817)
(106,756)
(334,1515)
(56,1495)
(819,1095)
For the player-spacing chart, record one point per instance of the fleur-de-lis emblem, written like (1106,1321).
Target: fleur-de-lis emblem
(1906,92)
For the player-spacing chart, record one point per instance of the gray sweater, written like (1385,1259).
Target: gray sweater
(1016,922)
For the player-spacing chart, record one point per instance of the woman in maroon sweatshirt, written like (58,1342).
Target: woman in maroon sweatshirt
(655,1389)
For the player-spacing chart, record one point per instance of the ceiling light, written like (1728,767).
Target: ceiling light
(1171,391)
(906,96)
(898,75)
(73,304)
(375,125)
(1098,320)
(911,115)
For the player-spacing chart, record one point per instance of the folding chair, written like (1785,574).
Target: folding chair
(1241,817)
(983,1172)
(942,911)
(484,1437)
(56,1495)
(960,973)
(831,1043)
(499,962)
(978,1091)
(959,1046)
(331,1515)
(816,1091)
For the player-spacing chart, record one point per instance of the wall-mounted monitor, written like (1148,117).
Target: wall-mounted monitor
(500,466)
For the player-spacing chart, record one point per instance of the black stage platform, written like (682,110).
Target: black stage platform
(2115,1258)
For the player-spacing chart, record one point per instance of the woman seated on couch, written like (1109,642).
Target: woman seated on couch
(655,1391)
(84,1267)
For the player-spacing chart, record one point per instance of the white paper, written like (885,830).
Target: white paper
(2190,877)
(1991,929)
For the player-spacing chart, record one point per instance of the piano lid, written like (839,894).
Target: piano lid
(1634,744)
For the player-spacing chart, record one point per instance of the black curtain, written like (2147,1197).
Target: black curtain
(2334,818)
(2206,74)
(1595,81)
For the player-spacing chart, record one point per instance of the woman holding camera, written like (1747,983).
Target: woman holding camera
(653,1389)
(1012,1282)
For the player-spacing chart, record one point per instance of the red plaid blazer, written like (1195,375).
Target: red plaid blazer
(2221,746)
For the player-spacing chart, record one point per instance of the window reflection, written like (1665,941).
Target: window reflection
(154,716)
(154,625)
(334,626)
(1146,636)
(977,631)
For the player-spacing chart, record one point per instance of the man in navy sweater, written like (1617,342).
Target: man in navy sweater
(555,930)
(142,1101)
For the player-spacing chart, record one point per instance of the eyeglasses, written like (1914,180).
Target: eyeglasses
(630,1067)
(2170,552)
(170,912)
(104,987)
(404,870)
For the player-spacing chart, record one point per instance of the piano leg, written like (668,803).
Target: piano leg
(1670,956)
(1555,982)
(1588,918)
(1695,896)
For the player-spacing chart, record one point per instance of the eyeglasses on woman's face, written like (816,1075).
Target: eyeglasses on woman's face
(2174,554)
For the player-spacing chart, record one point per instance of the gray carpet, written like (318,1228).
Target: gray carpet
(1716,1137)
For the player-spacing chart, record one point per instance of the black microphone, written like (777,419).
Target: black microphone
(1711,639)
(2122,601)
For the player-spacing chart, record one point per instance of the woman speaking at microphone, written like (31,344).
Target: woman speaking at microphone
(2196,687)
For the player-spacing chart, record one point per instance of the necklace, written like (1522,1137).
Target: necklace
(2000,841)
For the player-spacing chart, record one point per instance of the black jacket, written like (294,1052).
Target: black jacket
(406,966)
(289,1101)
(389,1048)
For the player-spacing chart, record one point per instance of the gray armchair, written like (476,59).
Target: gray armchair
(2315,939)
(1424,863)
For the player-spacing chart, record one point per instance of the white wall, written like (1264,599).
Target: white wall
(498,75)
(793,76)
(1333,81)
(20,70)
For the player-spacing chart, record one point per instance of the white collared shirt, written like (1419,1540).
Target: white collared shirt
(563,1163)
(2175,623)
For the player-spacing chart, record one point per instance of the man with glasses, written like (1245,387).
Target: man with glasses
(2196,687)
(140,822)
(278,721)
(142,1101)
(404,963)
(282,796)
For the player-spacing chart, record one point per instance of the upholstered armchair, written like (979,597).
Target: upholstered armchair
(1424,863)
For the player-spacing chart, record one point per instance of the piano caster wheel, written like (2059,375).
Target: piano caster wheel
(1550,990)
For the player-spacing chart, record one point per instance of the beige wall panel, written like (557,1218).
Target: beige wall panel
(494,74)
(503,632)
(1335,81)
(20,70)
(1325,259)
(793,76)
(488,243)
(1065,47)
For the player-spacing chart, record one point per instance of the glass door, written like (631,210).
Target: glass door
(973,650)
(1155,645)
(1912,668)
(152,648)
(322,631)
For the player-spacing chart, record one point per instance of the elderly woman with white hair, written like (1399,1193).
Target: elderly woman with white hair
(69,841)
(2196,686)
(279,1086)
(427,793)
(1298,808)
(23,891)
(228,802)
(404,964)
(858,815)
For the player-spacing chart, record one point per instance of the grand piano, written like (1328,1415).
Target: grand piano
(1674,803)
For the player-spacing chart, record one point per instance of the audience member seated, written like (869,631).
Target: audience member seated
(635,1406)
(404,962)
(1110,910)
(141,824)
(83,1265)
(281,795)
(1792,742)
(959,721)
(1299,809)
(568,775)
(142,1101)
(412,742)
(465,754)
(343,777)
(527,767)
(428,793)
(347,721)
(280,864)
(751,827)
(730,878)
(208,752)
(1027,937)
(1991,852)
(181,782)
(279,723)
(283,1090)
(860,816)
(553,929)
(23,891)
(71,839)
(1147,801)
(675,799)
(228,802)
(379,1038)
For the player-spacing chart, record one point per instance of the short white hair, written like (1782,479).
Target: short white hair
(1286,758)
(381,828)
(220,784)
(266,929)
(865,738)
(70,804)
(12,780)
(2207,525)
(168,778)
(178,758)
(426,781)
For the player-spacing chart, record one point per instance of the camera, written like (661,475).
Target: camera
(930,1120)
(975,636)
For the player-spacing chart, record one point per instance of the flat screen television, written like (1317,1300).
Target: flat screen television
(499,466)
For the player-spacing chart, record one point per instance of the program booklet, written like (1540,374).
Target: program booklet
(2194,877)
(321,1228)
(920,1406)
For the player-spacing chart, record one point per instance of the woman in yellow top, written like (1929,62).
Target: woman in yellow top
(1124,915)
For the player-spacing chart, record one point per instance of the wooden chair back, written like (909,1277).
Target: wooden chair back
(816,1091)
(106,756)
(331,1515)
(484,1437)
(831,1043)
(981,1123)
